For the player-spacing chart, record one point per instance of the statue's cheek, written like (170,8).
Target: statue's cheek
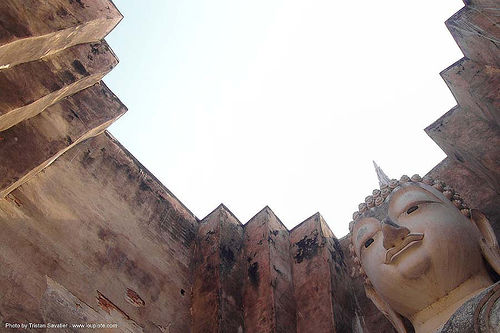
(373,265)
(416,268)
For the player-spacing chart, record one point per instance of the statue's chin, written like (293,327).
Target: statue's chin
(414,267)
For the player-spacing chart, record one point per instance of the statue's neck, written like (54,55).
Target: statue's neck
(438,313)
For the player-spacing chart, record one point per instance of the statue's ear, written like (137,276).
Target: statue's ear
(395,319)
(488,242)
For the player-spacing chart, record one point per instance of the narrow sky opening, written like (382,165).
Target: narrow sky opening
(281,103)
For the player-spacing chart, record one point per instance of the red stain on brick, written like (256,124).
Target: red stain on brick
(134,298)
(15,200)
(108,306)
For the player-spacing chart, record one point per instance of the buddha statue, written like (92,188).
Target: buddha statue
(430,264)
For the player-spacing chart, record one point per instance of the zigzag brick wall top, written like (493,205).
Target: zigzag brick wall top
(90,236)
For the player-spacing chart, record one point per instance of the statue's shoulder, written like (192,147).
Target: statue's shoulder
(479,314)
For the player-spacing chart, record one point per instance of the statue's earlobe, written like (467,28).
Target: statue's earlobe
(488,242)
(395,319)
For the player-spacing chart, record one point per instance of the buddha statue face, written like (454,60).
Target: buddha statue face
(415,248)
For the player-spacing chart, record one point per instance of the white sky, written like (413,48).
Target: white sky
(281,103)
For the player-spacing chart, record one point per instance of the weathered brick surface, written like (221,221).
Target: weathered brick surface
(31,29)
(268,298)
(59,305)
(218,274)
(321,283)
(101,226)
(281,276)
(481,3)
(30,146)
(470,140)
(311,278)
(477,32)
(343,304)
(29,88)
(476,87)
(258,295)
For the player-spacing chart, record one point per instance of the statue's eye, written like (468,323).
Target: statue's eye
(368,242)
(411,209)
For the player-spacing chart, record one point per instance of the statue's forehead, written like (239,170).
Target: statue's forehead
(378,212)
(398,199)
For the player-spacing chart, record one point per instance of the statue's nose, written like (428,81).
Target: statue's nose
(393,233)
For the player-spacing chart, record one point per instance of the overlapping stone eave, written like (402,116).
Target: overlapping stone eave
(31,32)
(469,133)
(35,143)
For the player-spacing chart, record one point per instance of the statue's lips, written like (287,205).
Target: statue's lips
(393,251)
